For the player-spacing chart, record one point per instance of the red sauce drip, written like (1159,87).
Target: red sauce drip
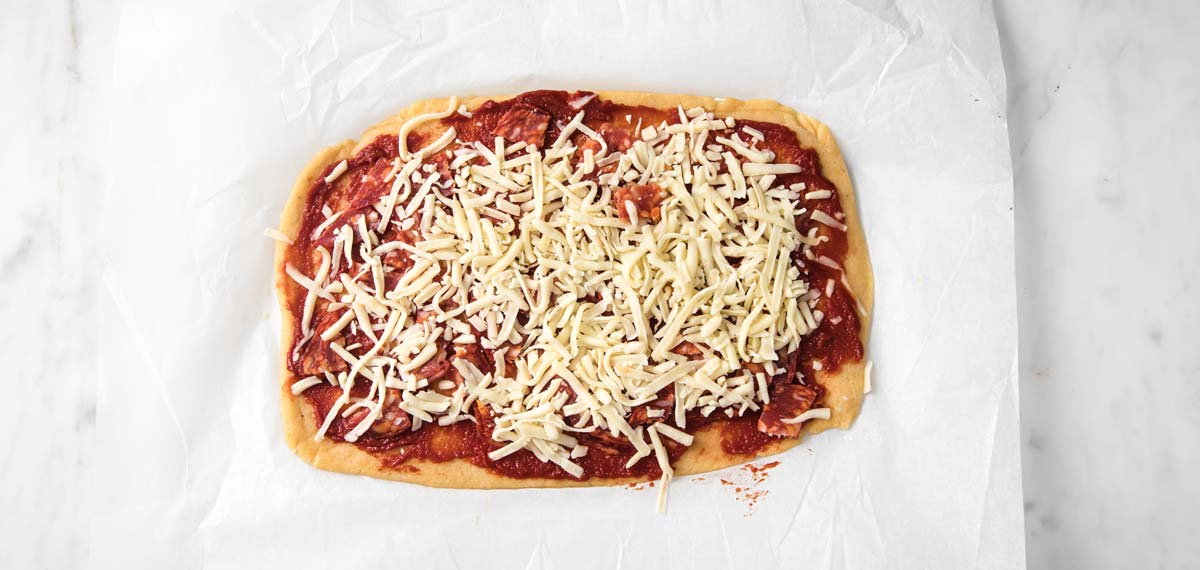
(363,183)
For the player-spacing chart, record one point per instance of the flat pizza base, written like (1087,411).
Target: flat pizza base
(844,389)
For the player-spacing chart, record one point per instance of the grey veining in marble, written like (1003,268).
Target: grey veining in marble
(1105,135)
(47,276)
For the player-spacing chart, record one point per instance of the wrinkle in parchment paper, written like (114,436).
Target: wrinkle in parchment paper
(216,109)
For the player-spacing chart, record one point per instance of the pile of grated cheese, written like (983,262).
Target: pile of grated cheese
(530,250)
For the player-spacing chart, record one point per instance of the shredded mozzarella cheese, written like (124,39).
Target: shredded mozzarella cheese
(587,301)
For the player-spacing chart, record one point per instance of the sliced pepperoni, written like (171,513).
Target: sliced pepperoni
(315,356)
(365,185)
(618,138)
(485,422)
(523,123)
(392,420)
(606,443)
(435,369)
(512,354)
(665,403)
(791,370)
(688,349)
(399,259)
(588,143)
(645,199)
(787,401)
(423,315)
(358,337)
(476,355)
(754,367)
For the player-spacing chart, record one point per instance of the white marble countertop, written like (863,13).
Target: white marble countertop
(1104,132)
(1101,118)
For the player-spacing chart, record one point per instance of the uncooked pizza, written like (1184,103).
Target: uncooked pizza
(564,289)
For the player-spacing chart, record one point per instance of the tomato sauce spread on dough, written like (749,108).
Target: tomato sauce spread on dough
(537,120)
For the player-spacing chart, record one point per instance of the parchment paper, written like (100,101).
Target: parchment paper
(218,105)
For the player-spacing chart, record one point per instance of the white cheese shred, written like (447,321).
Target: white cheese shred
(305,383)
(277,236)
(417,121)
(813,414)
(867,377)
(664,483)
(336,172)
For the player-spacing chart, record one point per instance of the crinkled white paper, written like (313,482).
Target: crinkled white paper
(217,106)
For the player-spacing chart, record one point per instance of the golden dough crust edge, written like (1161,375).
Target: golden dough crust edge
(844,388)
